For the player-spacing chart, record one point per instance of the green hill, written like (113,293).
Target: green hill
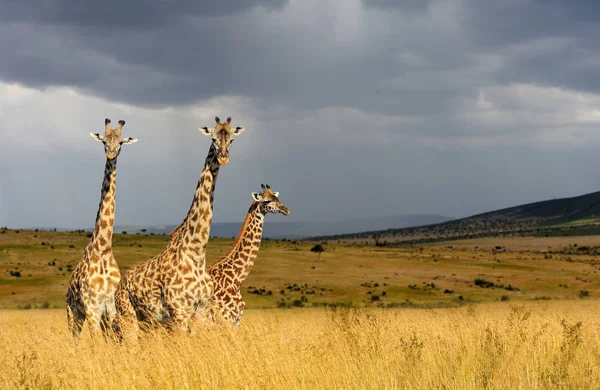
(578,215)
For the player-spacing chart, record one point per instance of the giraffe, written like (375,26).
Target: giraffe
(172,286)
(90,296)
(228,273)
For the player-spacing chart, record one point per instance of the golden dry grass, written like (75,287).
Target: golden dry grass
(541,345)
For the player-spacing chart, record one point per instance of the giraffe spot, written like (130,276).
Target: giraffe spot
(108,234)
(103,224)
(107,211)
(102,240)
(97,283)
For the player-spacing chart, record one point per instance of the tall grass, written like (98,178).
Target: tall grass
(544,345)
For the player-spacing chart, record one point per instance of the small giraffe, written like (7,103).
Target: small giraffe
(228,273)
(91,289)
(172,286)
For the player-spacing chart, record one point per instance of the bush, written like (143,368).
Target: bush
(584,294)
(504,298)
(484,283)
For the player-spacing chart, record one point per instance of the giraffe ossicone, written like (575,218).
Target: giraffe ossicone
(228,273)
(90,295)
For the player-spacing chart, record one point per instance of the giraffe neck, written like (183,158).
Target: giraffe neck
(101,240)
(193,233)
(245,249)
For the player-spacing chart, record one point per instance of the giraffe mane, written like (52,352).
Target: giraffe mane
(242,229)
(177,229)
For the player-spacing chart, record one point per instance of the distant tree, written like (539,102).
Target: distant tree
(318,249)
(376,238)
(143,230)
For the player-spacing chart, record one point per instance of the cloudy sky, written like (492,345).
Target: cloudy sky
(352,108)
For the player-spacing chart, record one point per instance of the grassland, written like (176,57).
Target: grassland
(486,313)
(536,345)
(287,274)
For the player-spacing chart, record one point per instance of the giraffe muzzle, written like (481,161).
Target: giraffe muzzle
(284,210)
(223,159)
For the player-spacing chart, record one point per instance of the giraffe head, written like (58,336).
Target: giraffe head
(222,136)
(269,201)
(112,139)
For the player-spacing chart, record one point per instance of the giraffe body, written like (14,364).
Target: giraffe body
(90,295)
(228,273)
(171,287)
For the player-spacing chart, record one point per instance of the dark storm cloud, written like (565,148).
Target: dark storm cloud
(184,53)
(404,5)
(447,107)
(163,53)
(123,15)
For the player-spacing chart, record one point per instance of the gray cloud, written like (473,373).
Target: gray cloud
(450,107)
(122,16)
(301,54)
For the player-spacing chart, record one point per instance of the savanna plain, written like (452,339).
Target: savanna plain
(498,313)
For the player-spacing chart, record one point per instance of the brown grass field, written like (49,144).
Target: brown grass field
(537,345)
(498,313)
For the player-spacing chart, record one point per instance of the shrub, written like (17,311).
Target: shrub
(484,283)
(298,303)
(504,298)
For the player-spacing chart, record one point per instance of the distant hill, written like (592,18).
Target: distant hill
(297,230)
(578,215)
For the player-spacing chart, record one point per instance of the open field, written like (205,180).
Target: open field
(497,313)
(536,345)
(287,274)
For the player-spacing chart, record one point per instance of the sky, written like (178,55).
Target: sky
(352,109)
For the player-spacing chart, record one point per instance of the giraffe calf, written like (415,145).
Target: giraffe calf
(228,273)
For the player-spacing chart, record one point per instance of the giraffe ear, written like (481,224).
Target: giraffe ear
(257,197)
(97,137)
(238,130)
(276,194)
(128,141)
(206,130)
